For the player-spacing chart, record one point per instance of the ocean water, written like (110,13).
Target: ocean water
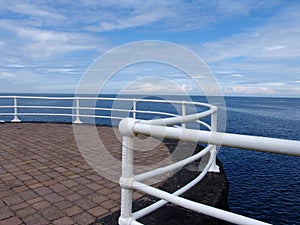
(263,186)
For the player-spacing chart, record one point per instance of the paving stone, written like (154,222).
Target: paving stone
(26,195)
(85,191)
(97,198)
(5,213)
(25,177)
(63,204)
(43,190)
(85,203)
(64,221)
(35,219)
(94,177)
(73,197)
(53,197)
(20,189)
(109,204)
(34,186)
(69,183)
(60,169)
(98,211)
(42,178)
(12,200)
(49,182)
(34,200)
(51,213)
(52,174)
(105,191)
(19,206)
(11,221)
(94,186)
(41,205)
(115,196)
(83,218)
(25,212)
(81,180)
(4,193)
(66,192)
(58,187)
(73,210)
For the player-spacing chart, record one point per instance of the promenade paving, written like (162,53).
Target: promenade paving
(44,178)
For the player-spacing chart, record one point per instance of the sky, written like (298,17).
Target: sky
(252,47)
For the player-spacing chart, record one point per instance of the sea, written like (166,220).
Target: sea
(263,186)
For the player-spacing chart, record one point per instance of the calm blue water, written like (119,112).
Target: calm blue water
(263,186)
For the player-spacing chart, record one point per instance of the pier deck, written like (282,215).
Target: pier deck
(44,179)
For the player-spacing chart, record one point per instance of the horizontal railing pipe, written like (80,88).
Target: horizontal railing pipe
(179,119)
(263,144)
(172,167)
(180,191)
(198,207)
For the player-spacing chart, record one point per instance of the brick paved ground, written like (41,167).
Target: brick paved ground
(44,179)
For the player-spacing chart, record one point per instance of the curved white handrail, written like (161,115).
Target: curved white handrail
(76,109)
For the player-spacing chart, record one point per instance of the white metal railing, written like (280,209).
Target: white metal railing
(172,127)
(130,127)
(75,108)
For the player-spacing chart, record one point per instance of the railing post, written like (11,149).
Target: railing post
(183,112)
(77,120)
(214,128)
(15,119)
(125,128)
(134,108)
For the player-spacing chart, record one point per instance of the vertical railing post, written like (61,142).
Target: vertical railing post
(125,128)
(77,111)
(183,112)
(214,128)
(134,109)
(15,119)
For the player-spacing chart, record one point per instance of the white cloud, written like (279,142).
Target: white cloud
(236,75)
(266,56)
(158,88)
(177,15)
(5,75)
(276,40)
(45,43)
(245,90)
(30,9)
(275,47)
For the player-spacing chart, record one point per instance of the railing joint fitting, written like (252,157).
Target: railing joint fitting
(126,182)
(126,127)
(126,220)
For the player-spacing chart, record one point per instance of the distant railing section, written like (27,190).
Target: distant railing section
(76,108)
(162,124)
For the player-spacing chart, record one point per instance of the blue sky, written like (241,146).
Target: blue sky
(252,47)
